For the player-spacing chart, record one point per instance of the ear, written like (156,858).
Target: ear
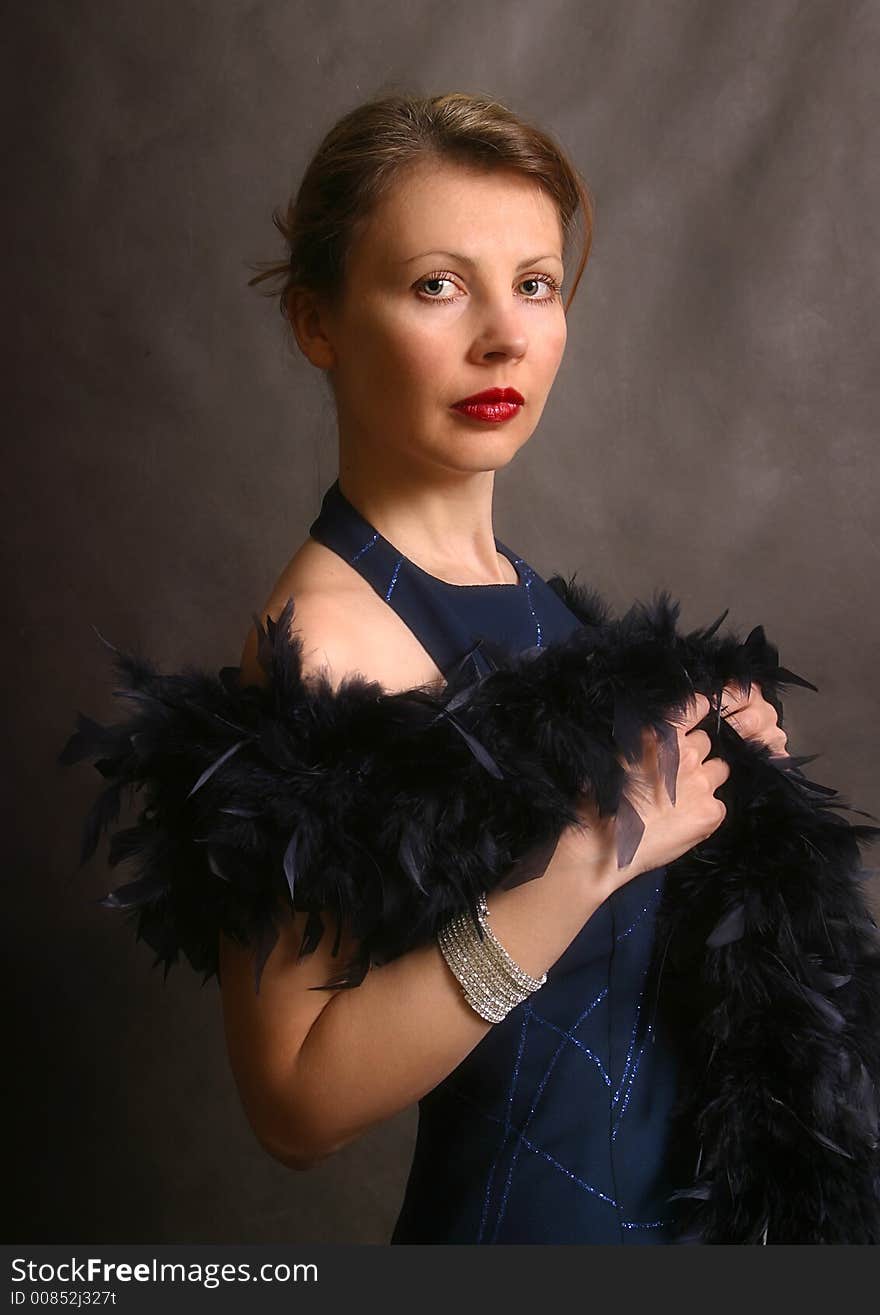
(309,319)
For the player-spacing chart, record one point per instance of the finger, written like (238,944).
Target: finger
(758,722)
(693,712)
(747,722)
(779,745)
(698,744)
(717,770)
(736,696)
(722,812)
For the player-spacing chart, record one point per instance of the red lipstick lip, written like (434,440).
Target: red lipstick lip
(492,395)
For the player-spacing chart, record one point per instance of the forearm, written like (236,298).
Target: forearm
(377,1048)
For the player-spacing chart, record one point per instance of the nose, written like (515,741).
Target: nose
(501,334)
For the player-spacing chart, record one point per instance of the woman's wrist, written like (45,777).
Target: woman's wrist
(585,861)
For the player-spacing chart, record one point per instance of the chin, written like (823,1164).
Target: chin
(497,442)
(484,458)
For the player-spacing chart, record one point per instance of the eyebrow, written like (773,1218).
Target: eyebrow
(466,260)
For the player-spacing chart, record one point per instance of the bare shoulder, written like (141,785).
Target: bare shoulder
(342,623)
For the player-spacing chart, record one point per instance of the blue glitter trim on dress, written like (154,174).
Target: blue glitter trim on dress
(528,578)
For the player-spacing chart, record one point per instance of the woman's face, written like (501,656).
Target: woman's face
(452,288)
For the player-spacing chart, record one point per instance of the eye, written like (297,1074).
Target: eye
(545,280)
(430,294)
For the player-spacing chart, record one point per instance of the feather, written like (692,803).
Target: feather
(101,815)
(668,757)
(786,677)
(482,755)
(290,861)
(392,811)
(133,893)
(209,771)
(629,830)
(731,927)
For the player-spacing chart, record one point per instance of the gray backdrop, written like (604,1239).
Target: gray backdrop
(712,429)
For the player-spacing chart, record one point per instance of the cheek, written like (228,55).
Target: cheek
(398,352)
(423,360)
(556,342)
(546,350)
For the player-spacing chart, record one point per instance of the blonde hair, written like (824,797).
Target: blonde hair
(360,157)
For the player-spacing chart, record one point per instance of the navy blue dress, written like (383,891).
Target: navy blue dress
(554,1128)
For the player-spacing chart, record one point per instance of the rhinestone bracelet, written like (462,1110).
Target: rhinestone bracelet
(488,986)
(492,982)
(492,997)
(485,988)
(519,975)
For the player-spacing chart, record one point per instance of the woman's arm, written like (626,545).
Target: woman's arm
(315,1069)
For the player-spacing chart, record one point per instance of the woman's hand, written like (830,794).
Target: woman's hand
(670,829)
(753,718)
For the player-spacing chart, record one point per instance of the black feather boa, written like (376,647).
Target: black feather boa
(395,810)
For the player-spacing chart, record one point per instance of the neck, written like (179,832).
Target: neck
(441,521)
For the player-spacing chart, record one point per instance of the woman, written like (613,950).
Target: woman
(605,1002)
(425,271)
